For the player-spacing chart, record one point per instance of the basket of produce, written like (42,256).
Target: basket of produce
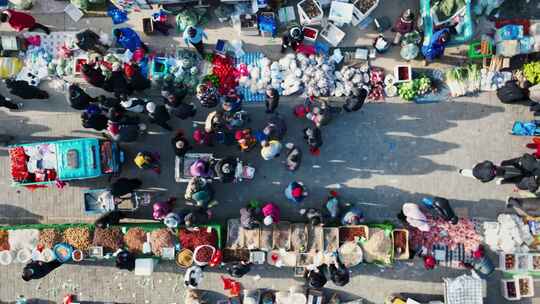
(401,244)
(63,252)
(362,9)
(184,258)
(350,254)
(310,12)
(203,254)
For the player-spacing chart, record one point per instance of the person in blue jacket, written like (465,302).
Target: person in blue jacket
(436,46)
(194,36)
(129,39)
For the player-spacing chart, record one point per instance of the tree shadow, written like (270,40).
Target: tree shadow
(12,215)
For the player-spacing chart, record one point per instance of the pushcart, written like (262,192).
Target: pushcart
(182,166)
(97,202)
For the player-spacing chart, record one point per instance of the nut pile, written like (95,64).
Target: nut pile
(78,237)
(111,239)
(4,240)
(159,239)
(49,237)
(135,239)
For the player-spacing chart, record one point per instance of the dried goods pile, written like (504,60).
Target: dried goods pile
(310,8)
(348,234)
(49,237)
(193,239)
(110,239)
(78,237)
(160,239)
(508,234)
(135,239)
(365,5)
(400,242)
(204,254)
(4,240)
(444,233)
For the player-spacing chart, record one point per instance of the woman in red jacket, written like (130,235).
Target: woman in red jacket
(20,21)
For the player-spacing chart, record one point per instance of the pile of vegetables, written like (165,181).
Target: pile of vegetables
(412,89)
(531,71)
(463,80)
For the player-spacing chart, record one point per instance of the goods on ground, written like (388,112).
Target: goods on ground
(509,261)
(400,242)
(524,287)
(365,5)
(310,8)
(235,239)
(536,262)
(350,254)
(331,239)
(299,238)
(252,237)
(4,240)
(266,238)
(235,255)
(378,247)
(184,258)
(511,289)
(23,239)
(135,239)
(160,239)
(348,234)
(203,254)
(282,236)
(78,237)
(111,239)
(192,239)
(49,237)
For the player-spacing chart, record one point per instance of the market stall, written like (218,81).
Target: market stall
(301,245)
(46,162)
(85,242)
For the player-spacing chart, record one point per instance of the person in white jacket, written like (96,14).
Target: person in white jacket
(193,276)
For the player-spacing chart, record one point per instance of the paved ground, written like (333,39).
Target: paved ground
(381,157)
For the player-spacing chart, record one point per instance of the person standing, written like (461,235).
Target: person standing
(294,157)
(6,103)
(238,270)
(437,45)
(129,39)
(180,144)
(194,36)
(272,100)
(271,214)
(146,160)
(313,137)
(20,21)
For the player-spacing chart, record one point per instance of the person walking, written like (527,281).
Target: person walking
(78,98)
(146,160)
(6,103)
(180,144)
(271,100)
(270,149)
(296,192)
(238,270)
(159,115)
(313,137)
(20,21)
(339,274)
(194,36)
(294,157)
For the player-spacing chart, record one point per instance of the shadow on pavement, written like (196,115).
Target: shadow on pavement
(10,215)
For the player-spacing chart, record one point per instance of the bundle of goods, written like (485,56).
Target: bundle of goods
(49,237)
(412,89)
(22,242)
(110,239)
(192,239)
(191,17)
(531,71)
(223,69)
(463,80)
(250,85)
(19,170)
(160,239)
(377,84)
(378,248)
(4,240)
(78,237)
(185,69)
(350,77)
(444,233)
(508,234)
(135,239)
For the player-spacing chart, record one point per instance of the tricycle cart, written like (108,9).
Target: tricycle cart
(97,202)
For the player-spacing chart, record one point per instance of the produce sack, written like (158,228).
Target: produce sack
(10,67)
(510,93)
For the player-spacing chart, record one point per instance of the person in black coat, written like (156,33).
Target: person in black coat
(159,115)
(271,100)
(238,270)
(316,278)
(24,90)
(180,144)
(125,260)
(78,99)
(123,186)
(118,84)
(294,157)
(88,40)
(356,102)
(97,122)
(137,81)
(174,103)
(7,103)
(527,163)
(93,76)
(226,169)
(37,269)
(339,274)
(313,137)
(107,102)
